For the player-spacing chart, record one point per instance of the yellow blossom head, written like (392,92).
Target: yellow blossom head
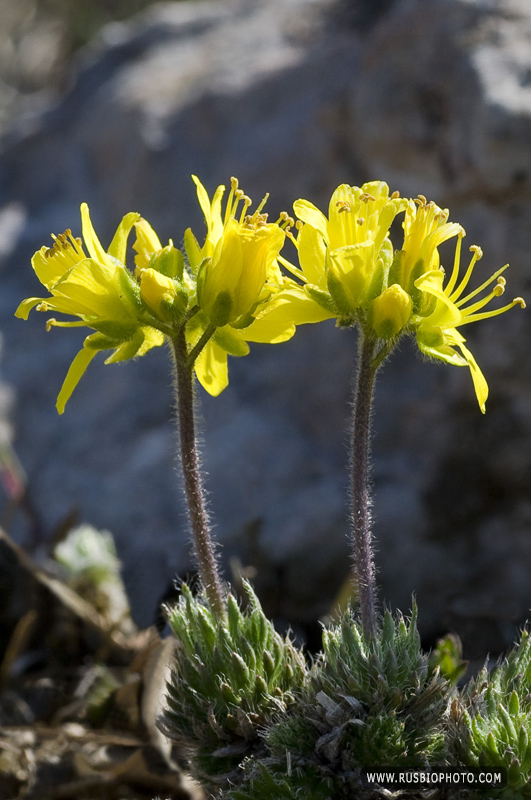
(239,253)
(426,227)
(98,290)
(344,257)
(436,331)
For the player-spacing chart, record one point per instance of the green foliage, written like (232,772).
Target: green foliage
(493,720)
(230,679)
(448,658)
(371,701)
(300,784)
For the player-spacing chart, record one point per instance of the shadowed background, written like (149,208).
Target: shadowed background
(293,97)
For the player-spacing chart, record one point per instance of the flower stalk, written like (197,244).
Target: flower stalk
(360,487)
(193,484)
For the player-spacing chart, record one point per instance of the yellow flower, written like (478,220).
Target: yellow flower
(425,228)
(436,331)
(345,257)
(239,254)
(237,273)
(99,290)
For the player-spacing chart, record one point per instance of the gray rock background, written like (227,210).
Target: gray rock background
(293,97)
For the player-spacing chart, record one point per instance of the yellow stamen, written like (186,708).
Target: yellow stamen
(477,253)
(480,288)
(293,269)
(457,262)
(486,314)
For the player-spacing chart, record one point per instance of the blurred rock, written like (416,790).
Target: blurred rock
(293,98)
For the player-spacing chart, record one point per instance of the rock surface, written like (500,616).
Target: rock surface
(293,98)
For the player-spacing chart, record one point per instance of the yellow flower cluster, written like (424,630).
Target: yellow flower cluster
(230,290)
(349,270)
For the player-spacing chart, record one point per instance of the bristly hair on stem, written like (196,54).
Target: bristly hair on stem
(193,483)
(370,358)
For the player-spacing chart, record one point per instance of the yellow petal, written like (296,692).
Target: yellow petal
(25,307)
(118,246)
(90,238)
(267,331)
(446,314)
(312,255)
(73,376)
(211,368)
(310,214)
(107,291)
(294,307)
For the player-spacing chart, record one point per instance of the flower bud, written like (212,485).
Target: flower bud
(390,312)
(161,295)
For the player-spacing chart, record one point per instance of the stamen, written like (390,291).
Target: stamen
(476,255)
(292,237)
(299,225)
(230,199)
(293,269)
(246,203)
(483,286)
(496,292)
(421,201)
(262,204)
(365,197)
(343,205)
(457,260)
(395,195)
(477,317)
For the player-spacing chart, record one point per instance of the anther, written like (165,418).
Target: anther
(395,195)
(49,324)
(478,252)
(234,183)
(365,197)
(519,300)
(299,225)
(360,221)
(499,288)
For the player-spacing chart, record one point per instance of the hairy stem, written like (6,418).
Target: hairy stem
(193,484)
(360,494)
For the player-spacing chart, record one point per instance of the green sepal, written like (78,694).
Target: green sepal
(169,261)
(193,251)
(394,274)
(386,254)
(115,331)
(231,342)
(321,297)
(339,296)
(423,303)
(221,309)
